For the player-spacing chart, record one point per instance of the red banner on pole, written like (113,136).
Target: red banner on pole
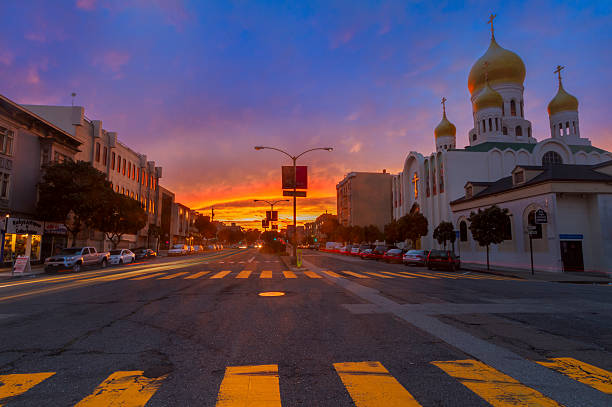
(301,177)
(272,216)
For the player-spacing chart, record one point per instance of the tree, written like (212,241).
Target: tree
(71,193)
(489,226)
(444,232)
(154,231)
(252,235)
(356,234)
(119,215)
(205,226)
(372,233)
(392,232)
(413,226)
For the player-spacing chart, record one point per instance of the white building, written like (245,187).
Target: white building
(500,140)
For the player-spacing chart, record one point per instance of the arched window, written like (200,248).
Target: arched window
(484,126)
(512,108)
(496,124)
(503,109)
(518,131)
(505,131)
(529,131)
(522,114)
(474,137)
(490,124)
(531,222)
(560,129)
(574,127)
(551,158)
(427,191)
(463,231)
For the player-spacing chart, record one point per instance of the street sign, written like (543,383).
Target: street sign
(532,230)
(301,194)
(272,216)
(274,227)
(265,223)
(541,217)
(301,177)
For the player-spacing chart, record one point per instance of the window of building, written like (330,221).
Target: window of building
(6,141)
(496,124)
(490,124)
(484,126)
(112,161)
(519,177)
(105,156)
(118,163)
(560,129)
(4,187)
(512,108)
(503,109)
(518,131)
(441,174)
(138,175)
(531,222)
(117,188)
(529,131)
(574,127)
(463,231)
(122,191)
(123,164)
(97,152)
(551,158)
(505,131)
(133,171)
(474,137)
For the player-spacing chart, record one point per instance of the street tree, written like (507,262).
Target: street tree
(489,226)
(119,215)
(71,192)
(153,232)
(356,234)
(252,235)
(413,226)
(444,232)
(392,232)
(372,234)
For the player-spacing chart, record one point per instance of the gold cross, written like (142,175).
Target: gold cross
(444,105)
(558,71)
(415,178)
(491,18)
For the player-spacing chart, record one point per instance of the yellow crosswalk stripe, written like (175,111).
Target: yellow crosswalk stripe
(12,385)
(371,385)
(148,276)
(289,274)
(350,273)
(397,274)
(590,375)
(265,274)
(446,275)
(378,274)
(175,275)
(123,389)
(312,274)
(197,275)
(495,387)
(221,274)
(418,275)
(331,273)
(244,274)
(252,386)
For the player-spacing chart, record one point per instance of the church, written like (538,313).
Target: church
(500,142)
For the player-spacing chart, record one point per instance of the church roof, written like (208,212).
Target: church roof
(562,172)
(490,145)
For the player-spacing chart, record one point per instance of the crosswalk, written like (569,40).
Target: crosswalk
(287,274)
(368,384)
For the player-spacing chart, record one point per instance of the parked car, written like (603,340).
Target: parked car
(198,248)
(367,254)
(443,259)
(121,256)
(355,251)
(144,253)
(393,256)
(178,250)
(76,258)
(415,257)
(379,251)
(344,250)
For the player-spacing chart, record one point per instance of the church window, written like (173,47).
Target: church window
(574,127)
(522,113)
(427,178)
(474,137)
(484,126)
(531,222)
(560,129)
(567,127)
(529,131)
(441,174)
(512,108)
(445,146)
(551,158)
(463,231)
(503,109)
(496,124)
(507,228)
(519,177)
(433,177)
(519,131)
(505,131)
(490,124)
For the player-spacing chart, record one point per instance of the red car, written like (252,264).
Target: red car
(368,254)
(444,259)
(394,256)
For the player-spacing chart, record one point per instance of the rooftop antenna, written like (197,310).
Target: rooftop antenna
(73,96)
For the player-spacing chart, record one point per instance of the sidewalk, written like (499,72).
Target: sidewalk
(6,273)
(584,277)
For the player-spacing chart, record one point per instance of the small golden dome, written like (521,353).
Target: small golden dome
(445,128)
(502,65)
(562,102)
(488,98)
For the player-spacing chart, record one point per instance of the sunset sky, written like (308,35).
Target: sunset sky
(195,84)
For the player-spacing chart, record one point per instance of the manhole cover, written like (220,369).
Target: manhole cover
(272,294)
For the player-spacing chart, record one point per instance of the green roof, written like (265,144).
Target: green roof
(586,149)
(490,145)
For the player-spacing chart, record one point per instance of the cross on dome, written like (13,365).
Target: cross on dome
(491,18)
(444,105)
(558,71)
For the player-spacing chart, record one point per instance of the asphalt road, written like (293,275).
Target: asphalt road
(193,331)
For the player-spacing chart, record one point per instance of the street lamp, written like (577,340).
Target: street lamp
(294,158)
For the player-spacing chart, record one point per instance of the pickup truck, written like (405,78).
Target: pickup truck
(76,258)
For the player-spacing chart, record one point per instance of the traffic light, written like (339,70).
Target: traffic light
(315,239)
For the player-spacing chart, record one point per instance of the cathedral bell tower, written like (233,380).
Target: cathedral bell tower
(563,115)
(445,132)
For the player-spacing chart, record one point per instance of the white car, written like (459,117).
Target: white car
(121,256)
(178,250)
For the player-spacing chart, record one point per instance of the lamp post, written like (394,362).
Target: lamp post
(6,218)
(294,159)
(271,203)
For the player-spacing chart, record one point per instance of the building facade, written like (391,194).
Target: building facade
(364,198)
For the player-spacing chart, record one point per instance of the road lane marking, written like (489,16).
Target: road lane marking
(148,276)
(312,274)
(350,273)
(251,259)
(266,274)
(128,388)
(196,275)
(378,274)
(175,275)
(371,385)
(397,274)
(331,273)
(221,274)
(253,386)
(244,274)
(221,261)
(289,274)
(12,385)
(497,388)
(590,375)
(419,275)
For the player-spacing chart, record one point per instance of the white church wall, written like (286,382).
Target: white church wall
(495,160)
(604,235)
(509,162)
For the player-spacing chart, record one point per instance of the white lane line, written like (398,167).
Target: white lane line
(221,261)
(251,259)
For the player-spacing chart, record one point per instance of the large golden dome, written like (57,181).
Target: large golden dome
(503,66)
(562,102)
(488,97)
(445,128)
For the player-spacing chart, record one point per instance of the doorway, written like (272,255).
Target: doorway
(571,255)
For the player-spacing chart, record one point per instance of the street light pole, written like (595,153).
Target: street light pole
(294,159)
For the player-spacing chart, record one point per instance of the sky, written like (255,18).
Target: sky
(196,84)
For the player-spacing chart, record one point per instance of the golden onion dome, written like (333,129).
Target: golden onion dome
(445,128)
(503,66)
(488,97)
(562,102)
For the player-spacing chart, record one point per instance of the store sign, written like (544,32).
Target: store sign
(53,228)
(22,265)
(24,227)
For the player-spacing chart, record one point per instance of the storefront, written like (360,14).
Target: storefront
(54,239)
(23,238)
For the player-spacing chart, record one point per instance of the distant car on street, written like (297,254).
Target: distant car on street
(198,248)
(415,257)
(394,256)
(355,251)
(122,256)
(76,258)
(443,259)
(178,250)
(367,254)
(144,253)
(379,251)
